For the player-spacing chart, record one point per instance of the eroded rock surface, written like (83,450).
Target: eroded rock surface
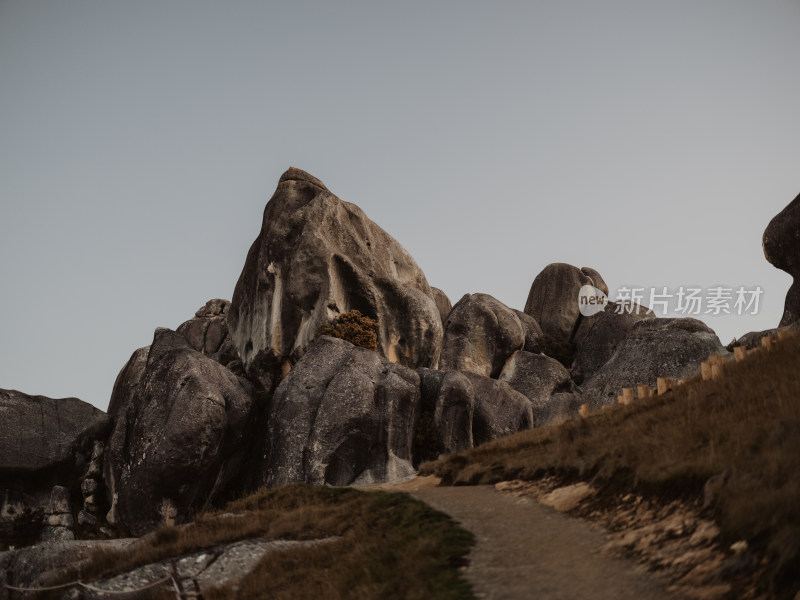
(479,335)
(781,243)
(179,439)
(343,415)
(545,383)
(316,258)
(553,299)
(653,348)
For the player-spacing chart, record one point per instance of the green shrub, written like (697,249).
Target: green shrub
(355,328)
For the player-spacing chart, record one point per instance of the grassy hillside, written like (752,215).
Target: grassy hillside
(390,546)
(742,430)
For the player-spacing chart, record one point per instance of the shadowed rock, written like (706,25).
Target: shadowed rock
(443,304)
(598,336)
(479,335)
(180,437)
(316,258)
(343,415)
(653,348)
(781,243)
(553,299)
(545,383)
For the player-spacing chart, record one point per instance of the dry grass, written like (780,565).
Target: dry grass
(390,546)
(743,428)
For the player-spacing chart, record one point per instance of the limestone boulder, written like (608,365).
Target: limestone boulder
(342,415)
(479,335)
(545,383)
(598,336)
(316,258)
(653,348)
(179,439)
(553,299)
(781,243)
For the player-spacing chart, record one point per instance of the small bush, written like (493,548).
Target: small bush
(355,328)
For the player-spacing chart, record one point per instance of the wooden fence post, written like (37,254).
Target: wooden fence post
(643,391)
(584,410)
(663,384)
(705,369)
(739,353)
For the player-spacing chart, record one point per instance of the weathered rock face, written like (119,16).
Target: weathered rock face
(545,383)
(179,439)
(599,335)
(479,335)
(343,415)
(208,333)
(653,348)
(443,304)
(315,258)
(39,434)
(553,299)
(781,244)
(469,409)
(43,443)
(532,330)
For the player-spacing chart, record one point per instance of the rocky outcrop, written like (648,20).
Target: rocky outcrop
(653,348)
(343,415)
(532,331)
(479,335)
(598,336)
(179,439)
(467,409)
(45,445)
(545,383)
(59,523)
(316,258)
(40,435)
(443,304)
(207,332)
(781,243)
(553,299)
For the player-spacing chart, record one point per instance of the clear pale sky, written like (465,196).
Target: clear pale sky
(140,141)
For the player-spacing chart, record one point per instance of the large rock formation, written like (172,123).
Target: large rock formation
(45,444)
(653,348)
(343,415)
(781,244)
(443,304)
(546,383)
(598,336)
(553,299)
(479,335)
(315,258)
(463,409)
(179,436)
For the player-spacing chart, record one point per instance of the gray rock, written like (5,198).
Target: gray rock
(88,487)
(62,520)
(443,304)
(553,299)
(127,381)
(539,378)
(180,439)
(781,243)
(21,516)
(208,330)
(60,501)
(40,565)
(343,415)
(653,348)
(500,410)
(479,335)
(532,331)
(454,412)
(56,534)
(39,434)
(598,336)
(316,258)
(86,519)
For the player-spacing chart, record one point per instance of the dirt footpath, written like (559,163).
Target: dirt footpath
(525,550)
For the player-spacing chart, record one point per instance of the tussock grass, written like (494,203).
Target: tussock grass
(389,545)
(743,430)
